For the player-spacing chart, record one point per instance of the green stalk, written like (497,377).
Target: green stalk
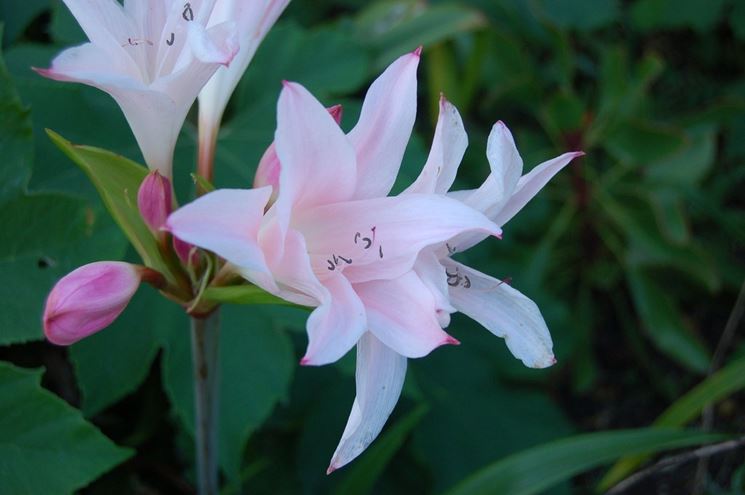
(205,338)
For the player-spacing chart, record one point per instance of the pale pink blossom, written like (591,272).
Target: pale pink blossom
(253,19)
(333,238)
(89,299)
(153,57)
(503,310)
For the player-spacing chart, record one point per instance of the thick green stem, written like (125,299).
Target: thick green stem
(205,338)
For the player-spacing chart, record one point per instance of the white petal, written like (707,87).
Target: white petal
(506,167)
(530,184)
(505,312)
(380,378)
(448,146)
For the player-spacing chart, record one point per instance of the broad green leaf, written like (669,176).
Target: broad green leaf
(44,237)
(583,15)
(540,468)
(362,475)
(15,16)
(473,419)
(393,28)
(106,376)
(670,216)
(642,143)
(689,164)
(16,141)
(256,366)
(701,15)
(242,294)
(718,386)
(664,324)
(45,445)
(117,180)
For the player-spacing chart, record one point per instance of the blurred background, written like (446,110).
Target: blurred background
(635,253)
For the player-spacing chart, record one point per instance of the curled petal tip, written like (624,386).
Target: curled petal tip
(286,83)
(450,340)
(418,51)
(305,361)
(553,361)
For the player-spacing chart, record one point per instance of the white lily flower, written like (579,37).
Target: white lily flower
(153,57)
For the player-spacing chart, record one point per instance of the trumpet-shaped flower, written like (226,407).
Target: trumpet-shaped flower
(503,310)
(253,20)
(153,57)
(333,238)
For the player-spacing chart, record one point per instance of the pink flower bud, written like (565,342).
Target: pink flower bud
(88,299)
(186,252)
(267,173)
(154,199)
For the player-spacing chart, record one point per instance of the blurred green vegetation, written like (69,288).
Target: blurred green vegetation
(635,253)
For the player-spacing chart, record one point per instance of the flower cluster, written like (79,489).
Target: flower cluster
(319,229)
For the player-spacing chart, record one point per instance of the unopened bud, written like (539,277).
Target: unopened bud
(154,199)
(186,252)
(89,299)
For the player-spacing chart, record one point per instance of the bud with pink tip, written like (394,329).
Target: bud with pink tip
(267,173)
(155,201)
(90,298)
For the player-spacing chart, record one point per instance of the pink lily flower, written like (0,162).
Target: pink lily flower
(497,306)
(153,57)
(253,20)
(334,239)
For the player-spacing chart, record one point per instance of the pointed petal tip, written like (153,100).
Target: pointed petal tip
(450,340)
(418,51)
(336,111)
(331,469)
(305,361)
(577,154)
(43,72)
(553,361)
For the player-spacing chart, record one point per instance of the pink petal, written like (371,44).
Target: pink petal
(448,146)
(383,236)
(531,183)
(104,23)
(225,222)
(380,377)
(505,312)
(336,325)
(318,163)
(403,315)
(431,272)
(382,133)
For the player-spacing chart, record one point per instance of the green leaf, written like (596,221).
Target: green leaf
(361,478)
(16,16)
(117,180)
(256,365)
(392,28)
(718,386)
(44,236)
(105,377)
(701,15)
(540,468)
(473,418)
(583,15)
(242,294)
(689,164)
(45,445)
(664,324)
(16,141)
(639,143)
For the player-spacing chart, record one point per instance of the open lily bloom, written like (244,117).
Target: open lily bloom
(334,239)
(503,310)
(253,20)
(153,57)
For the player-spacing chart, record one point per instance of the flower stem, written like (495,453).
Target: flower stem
(205,337)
